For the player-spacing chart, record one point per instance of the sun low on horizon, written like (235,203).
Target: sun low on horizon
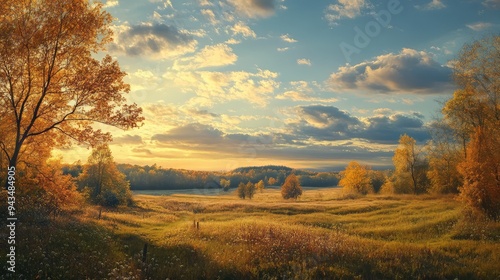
(306,84)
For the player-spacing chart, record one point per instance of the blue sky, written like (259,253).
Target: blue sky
(307,84)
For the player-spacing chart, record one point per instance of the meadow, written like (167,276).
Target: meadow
(323,235)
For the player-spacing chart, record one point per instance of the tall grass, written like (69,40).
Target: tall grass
(321,236)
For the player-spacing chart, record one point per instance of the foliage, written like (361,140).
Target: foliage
(481,171)
(246,190)
(242,190)
(356,179)
(106,184)
(372,237)
(250,190)
(158,178)
(378,178)
(291,188)
(225,184)
(260,185)
(444,153)
(409,174)
(271,181)
(474,115)
(51,84)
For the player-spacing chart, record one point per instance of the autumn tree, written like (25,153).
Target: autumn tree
(105,184)
(291,188)
(271,181)
(481,170)
(443,155)
(225,184)
(250,190)
(50,82)
(260,185)
(474,113)
(410,167)
(356,179)
(241,190)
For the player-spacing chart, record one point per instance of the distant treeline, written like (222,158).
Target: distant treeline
(158,178)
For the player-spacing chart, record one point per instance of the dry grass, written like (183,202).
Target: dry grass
(320,236)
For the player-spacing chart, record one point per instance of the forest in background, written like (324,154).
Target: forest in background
(157,178)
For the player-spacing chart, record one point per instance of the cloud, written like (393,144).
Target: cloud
(288,39)
(191,134)
(204,3)
(127,139)
(409,71)
(320,116)
(492,4)
(243,29)
(345,9)
(479,26)
(254,8)
(213,87)
(210,15)
(388,129)
(304,61)
(329,123)
(210,56)
(300,96)
(157,41)
(111,3)
(433,5)
(232,41)
(282,49)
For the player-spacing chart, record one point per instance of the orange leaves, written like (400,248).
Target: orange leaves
(481,171)
(355,179)
(49,81)
(291,188)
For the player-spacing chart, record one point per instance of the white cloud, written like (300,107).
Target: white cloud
(288,39)
(156,41)
(433,5)
(232,41)
(209,56)
(111,3)
(210,15)
(409,71)
(282,49)
(301,91)
(479,26)
(213,87)
(345,9)
(304,61)
(204,3)
(300,96)
(243,29)
(254,8)
(492,4)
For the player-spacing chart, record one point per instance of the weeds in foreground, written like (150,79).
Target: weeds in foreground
(365,238)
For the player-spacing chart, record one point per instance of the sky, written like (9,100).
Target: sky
(306,84)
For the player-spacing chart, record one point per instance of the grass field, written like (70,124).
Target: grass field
(321,236)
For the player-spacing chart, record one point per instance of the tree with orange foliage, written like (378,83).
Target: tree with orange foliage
(291,188)
(474,113)
(49,80)
(105,184)
(356,179)
(481,171)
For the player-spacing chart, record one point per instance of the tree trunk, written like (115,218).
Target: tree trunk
(13,161)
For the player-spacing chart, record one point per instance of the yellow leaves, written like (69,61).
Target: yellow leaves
(356,179)
(291,188)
